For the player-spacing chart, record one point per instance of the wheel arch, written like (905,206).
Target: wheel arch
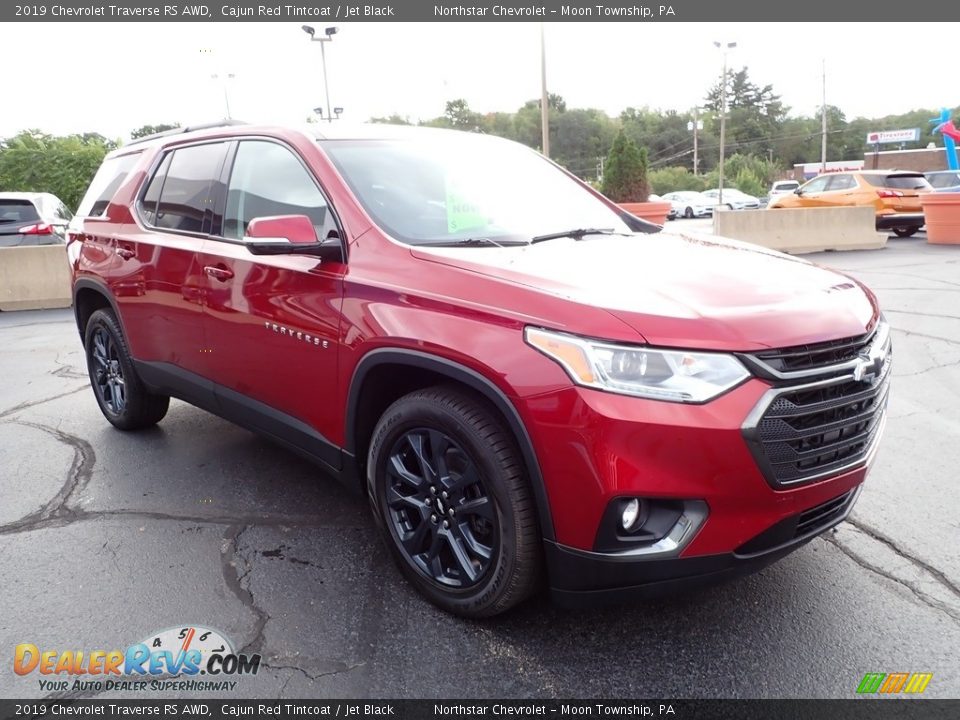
(407,370)
(89,296)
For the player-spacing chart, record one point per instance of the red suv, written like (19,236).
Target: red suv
(525,380)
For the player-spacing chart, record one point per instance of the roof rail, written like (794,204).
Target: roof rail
(190,128)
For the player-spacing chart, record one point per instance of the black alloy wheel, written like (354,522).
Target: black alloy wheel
(450,494)
(439,509)
(120,393)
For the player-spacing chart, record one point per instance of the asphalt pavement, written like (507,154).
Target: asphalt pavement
(108,537)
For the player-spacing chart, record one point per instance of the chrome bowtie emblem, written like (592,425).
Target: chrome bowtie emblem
(867,367)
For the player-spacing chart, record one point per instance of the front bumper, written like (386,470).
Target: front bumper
(587,579)
(885,222)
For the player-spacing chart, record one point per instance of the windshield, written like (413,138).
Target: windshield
(450,189)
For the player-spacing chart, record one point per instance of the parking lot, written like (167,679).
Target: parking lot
(107,537)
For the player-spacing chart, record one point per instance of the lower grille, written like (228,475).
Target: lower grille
(799,527)
(800,433)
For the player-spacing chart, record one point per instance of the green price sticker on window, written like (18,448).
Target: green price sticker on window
(462,213)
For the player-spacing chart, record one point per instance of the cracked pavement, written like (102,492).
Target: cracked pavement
(106,537)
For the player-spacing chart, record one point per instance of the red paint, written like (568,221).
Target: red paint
(470,306)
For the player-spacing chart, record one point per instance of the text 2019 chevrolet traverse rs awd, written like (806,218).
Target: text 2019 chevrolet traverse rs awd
(529,384)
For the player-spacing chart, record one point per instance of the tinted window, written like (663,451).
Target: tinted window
(267,179)
(185,198)
(14,212)
(105,184)
(942,180)
(148,204)
(817,184)
(786,186)
(842,182)
(898,182)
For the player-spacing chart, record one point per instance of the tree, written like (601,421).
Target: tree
(33,161)
(145,130)
(392,119)
(625,174)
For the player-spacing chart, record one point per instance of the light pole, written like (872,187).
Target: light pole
(327,37)
(544,97)
(226,96)
(723,109)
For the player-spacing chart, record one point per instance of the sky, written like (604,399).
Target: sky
(113,77)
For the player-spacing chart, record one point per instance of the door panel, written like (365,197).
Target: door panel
(272,322)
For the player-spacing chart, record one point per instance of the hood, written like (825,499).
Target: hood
(680,289)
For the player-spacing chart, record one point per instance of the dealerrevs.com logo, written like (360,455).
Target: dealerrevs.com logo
(169,660)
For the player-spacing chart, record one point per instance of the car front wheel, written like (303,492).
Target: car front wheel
(449,493)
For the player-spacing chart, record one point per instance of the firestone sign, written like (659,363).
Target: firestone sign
(893,136)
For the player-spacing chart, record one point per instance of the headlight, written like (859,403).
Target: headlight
(674,375)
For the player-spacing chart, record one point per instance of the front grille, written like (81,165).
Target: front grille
(805,432)
(815,356)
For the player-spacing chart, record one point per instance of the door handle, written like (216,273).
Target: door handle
(218,273)
(125,253)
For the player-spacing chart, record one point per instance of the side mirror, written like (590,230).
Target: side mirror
(289,235)
(798,191)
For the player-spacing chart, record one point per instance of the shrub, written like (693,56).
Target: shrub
(625,173)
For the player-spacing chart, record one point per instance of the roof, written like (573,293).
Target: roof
(22,195)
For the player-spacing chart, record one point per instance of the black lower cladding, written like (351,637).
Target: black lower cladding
(586,579)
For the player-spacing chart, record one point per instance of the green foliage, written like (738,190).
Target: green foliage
(394,119)
(145,130)
(673,179)
(35,162)
(625,173)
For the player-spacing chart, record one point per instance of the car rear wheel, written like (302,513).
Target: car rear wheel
(121,395)
(448,491)
(906,231)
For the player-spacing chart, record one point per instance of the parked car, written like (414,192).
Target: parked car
(894,194)
(689,204)
(526,381)
(671,214)
(782,187)
(29,218)
(944,180)
(733,199)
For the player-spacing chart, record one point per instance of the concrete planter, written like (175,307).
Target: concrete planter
(655,212)
(942,213)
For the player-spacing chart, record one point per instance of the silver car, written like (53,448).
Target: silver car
(30,218)
(690,204)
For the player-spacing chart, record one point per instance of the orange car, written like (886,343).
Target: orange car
(894,194)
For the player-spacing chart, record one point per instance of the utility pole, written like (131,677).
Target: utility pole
(724,47)
(696,129)
(823,137)
(544,98)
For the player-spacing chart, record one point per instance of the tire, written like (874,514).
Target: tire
(906,231)
(688,213)
(474,551)
(121,395)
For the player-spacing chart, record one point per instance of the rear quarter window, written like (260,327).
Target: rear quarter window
(105,184)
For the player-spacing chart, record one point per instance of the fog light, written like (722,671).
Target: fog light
(631,510)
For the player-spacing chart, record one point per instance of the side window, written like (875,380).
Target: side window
(817,184)
(268,179)
(842,182)
(185,200)
(148,204)
(105,184)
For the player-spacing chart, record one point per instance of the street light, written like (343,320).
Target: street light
(226,97)
(327,37)
(723,109)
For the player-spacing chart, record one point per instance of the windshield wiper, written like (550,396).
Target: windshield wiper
(473,242)
(576,234)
